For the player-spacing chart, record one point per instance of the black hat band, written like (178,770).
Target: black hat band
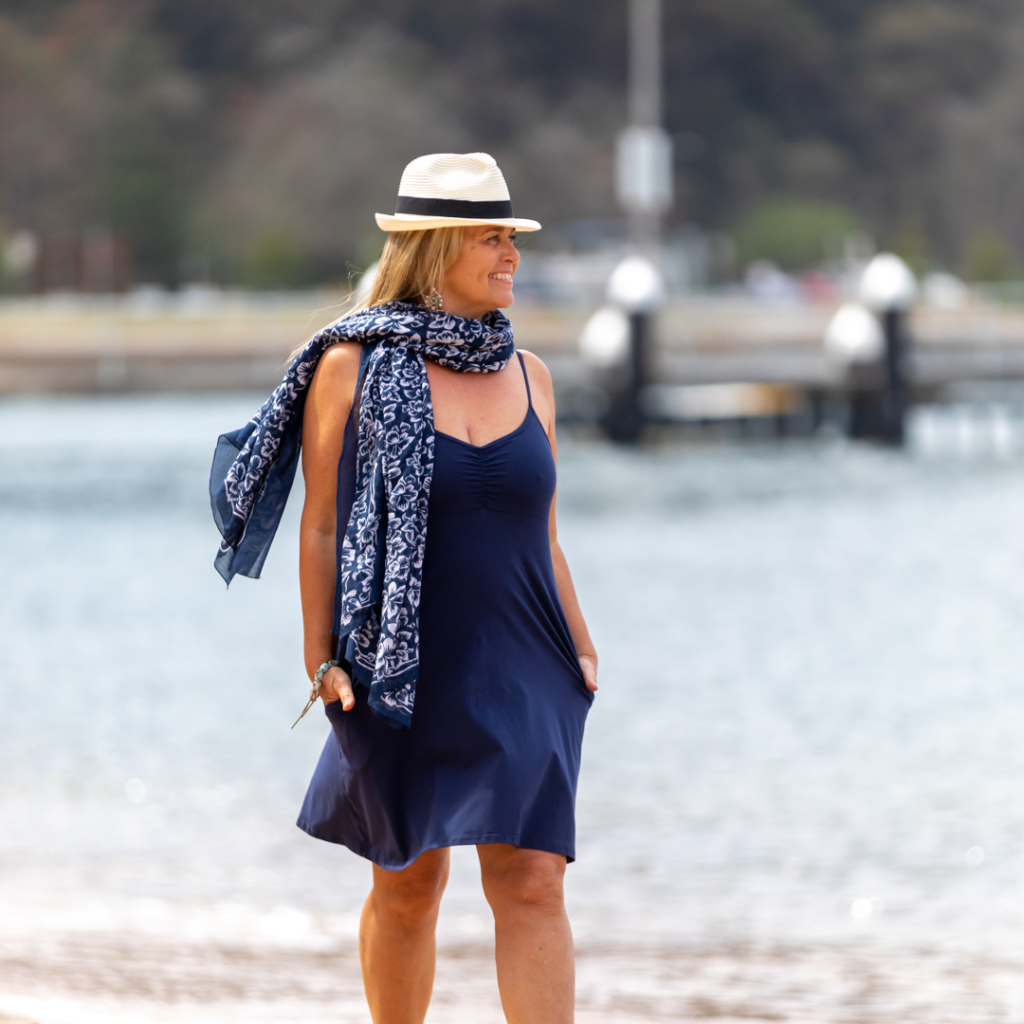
(498,209)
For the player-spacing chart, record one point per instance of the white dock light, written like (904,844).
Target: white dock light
(888,285)
(888,289)
(854,335)
(635,290)
(636,285)
(604,341)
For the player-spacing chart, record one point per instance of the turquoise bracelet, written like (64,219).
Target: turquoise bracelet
(318,676)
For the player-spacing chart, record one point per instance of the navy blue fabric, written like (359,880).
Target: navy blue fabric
(346,494)
(253,539)
(493,750)
(381,557)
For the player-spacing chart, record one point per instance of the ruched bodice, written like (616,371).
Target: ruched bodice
(513,474)
(493,751)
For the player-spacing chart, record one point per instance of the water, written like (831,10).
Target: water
(800,797)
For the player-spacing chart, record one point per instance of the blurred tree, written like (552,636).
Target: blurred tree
(209,36)
(910,243)
(46,131)
(912,59)
(306,158)
(794,234)
(275,262)
(98,128)
(989,258)
(980,154)
(142,176)
(201,125)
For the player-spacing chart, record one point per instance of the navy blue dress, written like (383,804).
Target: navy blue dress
(493,752)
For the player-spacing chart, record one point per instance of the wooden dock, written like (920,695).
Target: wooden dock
(206,340)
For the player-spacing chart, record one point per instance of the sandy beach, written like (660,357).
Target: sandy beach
(87,980)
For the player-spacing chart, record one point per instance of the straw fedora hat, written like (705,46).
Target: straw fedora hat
(444,190)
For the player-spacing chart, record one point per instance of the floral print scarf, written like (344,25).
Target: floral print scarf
(381,570)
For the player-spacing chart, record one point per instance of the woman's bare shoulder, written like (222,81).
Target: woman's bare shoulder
(539,374)
(338,366)
(341,355)
(543,391)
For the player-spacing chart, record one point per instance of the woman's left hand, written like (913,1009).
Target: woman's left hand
(588,666)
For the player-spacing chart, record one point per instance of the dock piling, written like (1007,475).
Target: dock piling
(888,288)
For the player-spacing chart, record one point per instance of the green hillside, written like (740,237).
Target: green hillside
(252,140)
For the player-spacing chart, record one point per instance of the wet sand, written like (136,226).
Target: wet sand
(91,979)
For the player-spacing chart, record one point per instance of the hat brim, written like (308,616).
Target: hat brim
(423,222)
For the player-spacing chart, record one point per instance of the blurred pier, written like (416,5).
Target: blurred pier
(206,340)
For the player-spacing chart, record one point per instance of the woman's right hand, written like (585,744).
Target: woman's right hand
(337,685)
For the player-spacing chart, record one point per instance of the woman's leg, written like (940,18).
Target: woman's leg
(396,938)
(533,942)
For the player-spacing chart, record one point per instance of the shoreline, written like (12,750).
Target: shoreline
(89,979)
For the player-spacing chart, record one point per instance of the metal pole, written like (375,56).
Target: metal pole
(625,420)
(645,101)
(645,62)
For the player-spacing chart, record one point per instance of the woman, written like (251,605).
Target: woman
(449,651)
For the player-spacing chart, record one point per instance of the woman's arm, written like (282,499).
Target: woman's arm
(544,405)
(323,431)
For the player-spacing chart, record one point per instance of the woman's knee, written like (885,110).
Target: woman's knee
(527,879)
(411,897)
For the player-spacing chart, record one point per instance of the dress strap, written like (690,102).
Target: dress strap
(529,397)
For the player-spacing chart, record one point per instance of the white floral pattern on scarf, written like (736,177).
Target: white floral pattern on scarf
(382,553)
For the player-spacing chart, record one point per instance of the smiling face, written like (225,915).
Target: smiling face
(481,278)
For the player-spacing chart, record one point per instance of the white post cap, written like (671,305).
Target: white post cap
(604,340)
(854,335)
(636,285)
(887,284)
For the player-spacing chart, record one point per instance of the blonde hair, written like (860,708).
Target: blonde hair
(413,265)
(411,269)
